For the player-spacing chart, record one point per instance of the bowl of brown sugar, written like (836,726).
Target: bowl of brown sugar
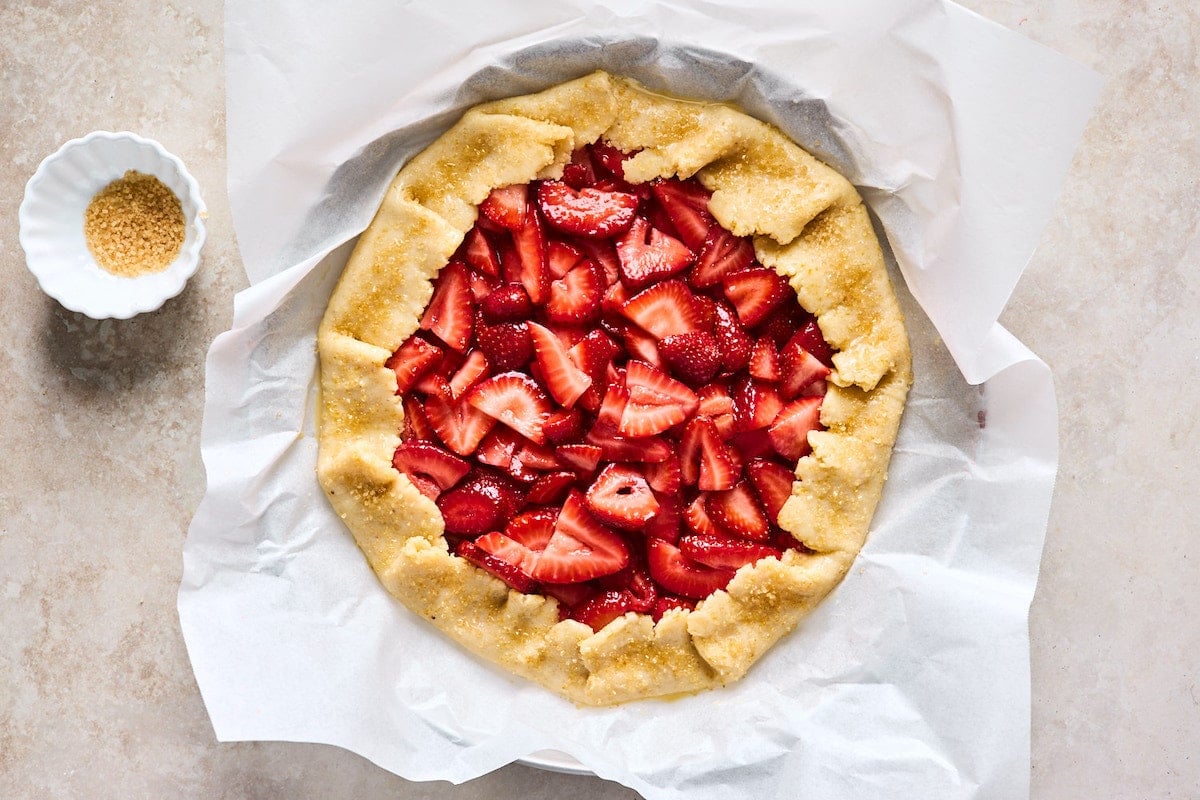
(112,225)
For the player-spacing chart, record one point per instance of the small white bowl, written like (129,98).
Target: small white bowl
(51,218)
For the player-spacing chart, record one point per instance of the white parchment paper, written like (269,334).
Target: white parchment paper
(911,679)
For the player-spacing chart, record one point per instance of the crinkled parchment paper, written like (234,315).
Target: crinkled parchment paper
(912,678)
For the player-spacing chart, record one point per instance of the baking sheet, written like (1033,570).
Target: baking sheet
(912,677)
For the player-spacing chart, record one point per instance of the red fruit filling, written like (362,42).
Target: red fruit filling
(607,394)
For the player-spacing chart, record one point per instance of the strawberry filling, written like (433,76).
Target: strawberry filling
(607,394)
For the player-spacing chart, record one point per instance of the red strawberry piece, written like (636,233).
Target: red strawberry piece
(755,404)
(451,312)
(473,368)
(670,602)
(601,609)
(416,423)
(507,303)
(738,512)
(772,483)
(507,206)
(515,553)
(565,381)
(426,486)
(789,432)
(667,522)
(481,285)
(675,573)
(564,425)
(666,476)
(814,342)
(580,548)
(648,255)
(803,373)
(721,254)
(584,458)
(514,399)
(586,212)
(612,407)
(697,518)
(704,459)
(764,360)
(604,253)
(686,203)
(620,496)
(481,502)
(693,357)
(658,218)
(735,344)
(665,309)
(532,272)
(635,579)
(497,448)
(656,401)
(756,292)
(412,360)
(551,487)
(753,444)
(648,449)
(782,323)
(536,456)
(457,423)
(580,172)
(498,563)
(532,528)
(594,354)
(637,342)
(507,345)
(725,552)
(610,158)
(575,298)
(479,254)
(428,460)
(714,400)
(561,258)
(568,595)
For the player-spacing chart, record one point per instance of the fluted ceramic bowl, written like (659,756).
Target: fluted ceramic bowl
(51,218)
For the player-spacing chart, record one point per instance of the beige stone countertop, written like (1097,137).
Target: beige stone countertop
(100,467)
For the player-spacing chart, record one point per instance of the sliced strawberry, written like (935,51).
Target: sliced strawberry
(450,314)
(620,496)
(514,399)
(507,303)
(430,461)
(601,609)
(507,345)
(789,432)
(738,512)
(755,404)
(782,323)
(714,400)
(764,360)
(497,448)
(507,206)
(814,342)
(594,354)
(568,595)
(564,425)
(721,254)
(667,523)
(647,449)
(575,298)
(561,258)
(479,254)
(612,407)
(481,502)
(638,343)
(457,423)
(675,573)
(498,563)
(697,518)
(610,158)
(635,579)
(648,255)
(693,357)
(803,373)
(725,552)
(656,401)
(474,367)
(529,243)
(704,458)
(551,487)
(670,602)
(412,360)
(586,212)
(735,344)
(581,548)
(416,423)
(665,309)
(580,172)
(753,444)
(532,528)
(584,458)
(665,477)
(686,203)
(772,483)
(604,253)
(756,292)
(519,554)
(565,381)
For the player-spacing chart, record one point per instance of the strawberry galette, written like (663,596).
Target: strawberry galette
(610,386)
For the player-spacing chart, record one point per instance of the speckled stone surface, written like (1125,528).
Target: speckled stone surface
(100,469)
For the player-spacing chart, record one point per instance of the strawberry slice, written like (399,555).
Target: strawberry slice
(561,258)
(450,314)
(693,357)
(789,432)
(584,458)
(506,303)
(601,609)
(697,518)
(507,206)
(735,344)
(473,368)
(594,354)
(638,343)
(479,254)
(586,212)
(575,297)
(507,345)
(497,448)
(665,309)
(580,172)
(498,566)
(666,476)
(604,253)
(656,401)
(621,497)
(481,502)
(704,458)
(753,444)
(755,404)
(803,373)
(532,528)
(551,488)
(670,602)
(721,254)
(430,461)
(811,339)
(580,548)
(514,399)
(686,203)
(764,361)
(772,483)
(755,293)
(610,158)
(530,268)
(481,285)
(648,255)
(667,523)
(457,424)
(564,425)
(738,512)
(565,381)
(519,554)
(412,360)
(675,573)
(647,449)
(725,552)
(782,323)
(416,423)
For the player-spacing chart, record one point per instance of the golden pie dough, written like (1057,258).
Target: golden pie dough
(808,223)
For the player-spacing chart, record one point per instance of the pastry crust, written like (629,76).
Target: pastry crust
(808,223)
